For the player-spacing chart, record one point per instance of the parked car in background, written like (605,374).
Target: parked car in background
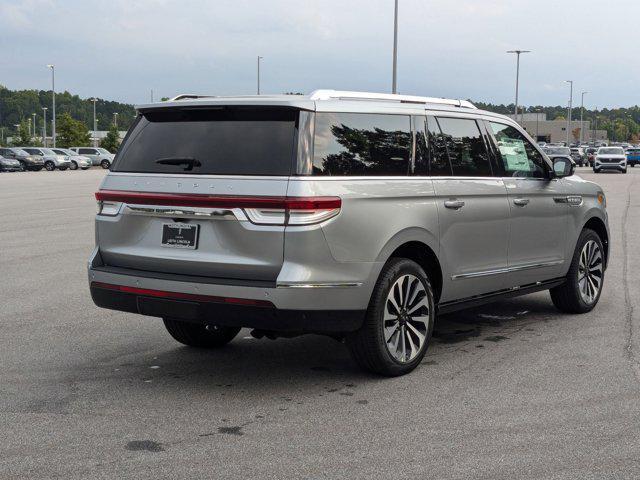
(591,154)
(578,156)
(352,214)
(10,165)
(77,160)
(28,162)
(98,156)
(558,152)
(633,157)
(610,158)
(51,159)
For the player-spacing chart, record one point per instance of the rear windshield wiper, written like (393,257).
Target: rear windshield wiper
(188,162)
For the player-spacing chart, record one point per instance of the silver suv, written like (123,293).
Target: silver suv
(97,155)
(356,215)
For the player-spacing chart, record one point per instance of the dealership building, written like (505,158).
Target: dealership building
(555,131)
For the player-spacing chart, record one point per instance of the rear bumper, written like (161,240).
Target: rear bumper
(265,316)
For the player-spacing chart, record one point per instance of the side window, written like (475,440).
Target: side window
(86,151)
(353,144)
(467,150)
(32,151)
(421,162)
(519,157)
(439,160)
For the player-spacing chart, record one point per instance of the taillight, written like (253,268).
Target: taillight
(259,210)
(296,211)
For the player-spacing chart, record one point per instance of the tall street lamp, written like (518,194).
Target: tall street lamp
(394,85)
(537,125)
(570,82)
(53,91)
(44,126)
(34,124)
(115,119)
(259,58)
(581,114)
(95,127)
(518,53)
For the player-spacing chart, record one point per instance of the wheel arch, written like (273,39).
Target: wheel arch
(420,246)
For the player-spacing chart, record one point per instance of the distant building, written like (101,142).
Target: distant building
(554,131)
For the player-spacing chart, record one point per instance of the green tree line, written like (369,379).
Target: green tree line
(18,105)
(621,124)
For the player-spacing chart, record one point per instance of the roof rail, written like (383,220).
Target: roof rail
(187,96)
(387,97)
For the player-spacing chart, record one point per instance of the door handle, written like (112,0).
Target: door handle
(454,204)
(521,202)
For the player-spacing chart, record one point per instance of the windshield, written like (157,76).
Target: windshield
(558,151)
(611,151)
(19,151)
(48,151)
(217,141)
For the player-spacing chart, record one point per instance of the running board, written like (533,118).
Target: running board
(448,307)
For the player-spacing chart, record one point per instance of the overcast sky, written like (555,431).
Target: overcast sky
(121,49)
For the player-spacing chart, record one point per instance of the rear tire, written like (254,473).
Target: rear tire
(50,166)
(105,164)
(74,166)
(579,293)
(197,335)
(393,341)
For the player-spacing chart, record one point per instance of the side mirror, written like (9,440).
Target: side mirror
(563,167)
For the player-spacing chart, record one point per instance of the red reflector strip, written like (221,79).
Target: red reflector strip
(182,296)
(218,201)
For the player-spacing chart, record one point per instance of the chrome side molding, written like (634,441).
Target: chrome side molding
(320,285)
(186,212)
(500,271)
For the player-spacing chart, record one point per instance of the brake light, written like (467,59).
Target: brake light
(261,210)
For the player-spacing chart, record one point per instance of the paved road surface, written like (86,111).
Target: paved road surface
(511,390)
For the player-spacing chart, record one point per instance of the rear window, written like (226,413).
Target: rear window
(213,141)
(362,144)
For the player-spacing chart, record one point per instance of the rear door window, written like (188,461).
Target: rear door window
(465,144)
(350,144)
(215,141)
(439,160)
(87,151)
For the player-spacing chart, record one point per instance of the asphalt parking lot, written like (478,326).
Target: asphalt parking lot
(510,390)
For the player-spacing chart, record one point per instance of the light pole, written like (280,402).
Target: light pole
(44,126)
(53,112)
(570,82)
(115,119)
(518,53)
(582,114)
(29,126)
(152,95)
(394,85)
(95,127)
(259,58)
(34,124)
(537,127)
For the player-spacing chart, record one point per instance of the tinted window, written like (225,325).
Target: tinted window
(86,151)
(439,161)
(421,159)
(32,151)
(221,141)
(465,145)
(362,144)
(519,157)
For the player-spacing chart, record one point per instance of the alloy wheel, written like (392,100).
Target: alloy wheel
(406,318)
(590,272)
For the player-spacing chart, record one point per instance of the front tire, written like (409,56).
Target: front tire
(399,321)
(74,166)
(105,164)
(198,335)
(50,166)
(585,279)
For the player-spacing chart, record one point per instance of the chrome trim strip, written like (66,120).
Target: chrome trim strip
(319,285)
(499,271)
(185,212)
